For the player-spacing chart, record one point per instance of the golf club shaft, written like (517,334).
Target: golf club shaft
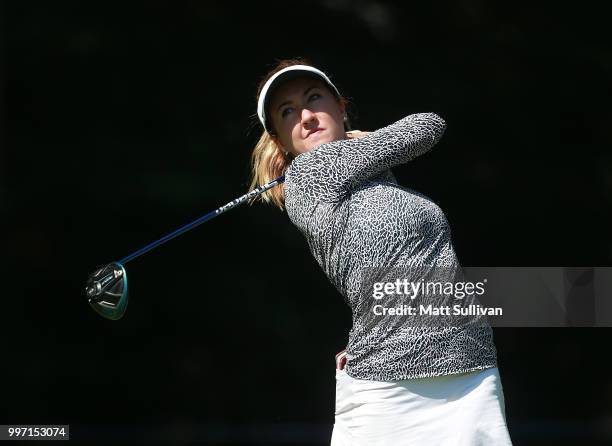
(232,204)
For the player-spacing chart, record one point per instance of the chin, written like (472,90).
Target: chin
(309,148)
(319,139)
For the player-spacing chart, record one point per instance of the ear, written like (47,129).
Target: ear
(342,105)
(276,140)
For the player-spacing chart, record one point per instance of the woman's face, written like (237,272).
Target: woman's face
(304,114)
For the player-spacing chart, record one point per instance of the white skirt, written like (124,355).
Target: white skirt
(460,410)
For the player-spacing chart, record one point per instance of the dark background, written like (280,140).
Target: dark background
(123,121)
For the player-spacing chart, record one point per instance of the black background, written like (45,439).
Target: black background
(123,121)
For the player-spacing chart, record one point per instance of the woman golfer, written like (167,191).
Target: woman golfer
(397,384)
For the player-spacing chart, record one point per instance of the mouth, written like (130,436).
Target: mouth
(312,132)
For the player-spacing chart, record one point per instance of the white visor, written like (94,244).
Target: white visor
(282,75)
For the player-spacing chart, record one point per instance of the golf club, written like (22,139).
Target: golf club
(107,288)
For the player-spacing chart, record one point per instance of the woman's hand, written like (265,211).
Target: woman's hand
(356,134)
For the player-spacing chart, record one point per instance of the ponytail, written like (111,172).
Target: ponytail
(268,162)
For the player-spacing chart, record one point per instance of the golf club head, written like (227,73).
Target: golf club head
(107,291)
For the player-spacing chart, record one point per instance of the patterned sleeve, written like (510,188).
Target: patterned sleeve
(329,171)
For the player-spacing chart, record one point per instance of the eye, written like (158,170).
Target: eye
(314,96)
(286,111)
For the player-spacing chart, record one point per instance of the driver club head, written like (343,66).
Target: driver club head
(107,291)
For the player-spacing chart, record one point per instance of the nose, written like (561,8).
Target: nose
(309,119)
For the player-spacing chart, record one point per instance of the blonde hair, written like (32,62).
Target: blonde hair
(268,162)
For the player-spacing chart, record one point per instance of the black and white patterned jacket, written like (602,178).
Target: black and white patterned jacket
(344,199)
